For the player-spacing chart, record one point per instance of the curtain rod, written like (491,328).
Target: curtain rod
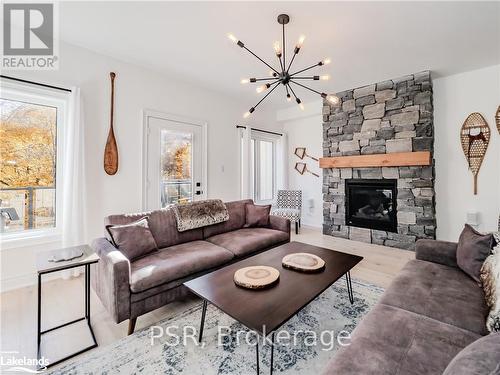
(259,130)
(35,83)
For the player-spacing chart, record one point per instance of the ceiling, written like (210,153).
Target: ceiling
(367,41)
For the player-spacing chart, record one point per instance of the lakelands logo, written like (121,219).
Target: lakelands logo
(10,362)
(29,36)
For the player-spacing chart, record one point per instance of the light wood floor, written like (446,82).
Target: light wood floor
(63,301)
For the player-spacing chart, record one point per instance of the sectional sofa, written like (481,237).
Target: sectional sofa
(430,312)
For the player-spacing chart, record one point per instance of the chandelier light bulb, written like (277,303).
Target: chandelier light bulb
(262,88)
(277,48)
(232,38)
(246,115)
(301,41)
(324,77)
(333,99)
(288,97)
(326,61)
(301,106)
(245,81)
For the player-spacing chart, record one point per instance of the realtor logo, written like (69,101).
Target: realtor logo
(29,36)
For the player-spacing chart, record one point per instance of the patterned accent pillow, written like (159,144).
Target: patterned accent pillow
(490,280)
(134,239)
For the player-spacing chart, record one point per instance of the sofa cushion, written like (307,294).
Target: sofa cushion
(245,241)
(472,250)
(134,239)
(163,227)
(236,220)
(390,341)
(480,357)
(174,263)
(257,216)
(439,292)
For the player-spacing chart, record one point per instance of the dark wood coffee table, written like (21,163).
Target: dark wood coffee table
(264,311)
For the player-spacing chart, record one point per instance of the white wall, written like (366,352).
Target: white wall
(304,129)
(455,97)
(135,89)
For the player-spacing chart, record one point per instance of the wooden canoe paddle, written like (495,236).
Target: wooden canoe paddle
(111,150)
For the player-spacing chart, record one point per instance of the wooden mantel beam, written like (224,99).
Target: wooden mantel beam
(399,159)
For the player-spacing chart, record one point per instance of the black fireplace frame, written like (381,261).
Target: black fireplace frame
(388,184)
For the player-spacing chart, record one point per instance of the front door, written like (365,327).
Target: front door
(174,162)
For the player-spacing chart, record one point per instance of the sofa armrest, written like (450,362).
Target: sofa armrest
(279,223)
(111,282)
(441,252)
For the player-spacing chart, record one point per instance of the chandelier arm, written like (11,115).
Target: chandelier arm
(309,77)
(293,92)
(303,70)
(291,61)
(265,96)
(308,88)
(281,64)
(287,93)
(264,79)
(269,66)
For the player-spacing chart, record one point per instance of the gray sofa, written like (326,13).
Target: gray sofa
(129,289)
(429,313)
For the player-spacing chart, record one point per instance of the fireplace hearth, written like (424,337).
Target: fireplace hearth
(371,204)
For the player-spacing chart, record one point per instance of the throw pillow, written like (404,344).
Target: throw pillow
(490,279)
(472,250)
(257,216)
(134,239)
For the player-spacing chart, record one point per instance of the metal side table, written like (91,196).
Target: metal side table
(45,264)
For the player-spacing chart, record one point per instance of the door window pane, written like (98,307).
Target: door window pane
(176,166)
(27,166)
(266,170)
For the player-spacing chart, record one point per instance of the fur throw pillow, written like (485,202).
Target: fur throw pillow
(490,279)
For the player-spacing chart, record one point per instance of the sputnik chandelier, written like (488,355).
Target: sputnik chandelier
(282,75)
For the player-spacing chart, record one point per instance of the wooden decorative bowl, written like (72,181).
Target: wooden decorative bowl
(303,262)
(256,277)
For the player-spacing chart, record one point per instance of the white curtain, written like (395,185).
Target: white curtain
(246,178)
(282,162)
(73,214)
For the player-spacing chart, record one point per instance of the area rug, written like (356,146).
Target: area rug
(306,351)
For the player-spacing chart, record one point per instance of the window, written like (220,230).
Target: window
(174,160)
(262,166)
(31,141)
(176,156)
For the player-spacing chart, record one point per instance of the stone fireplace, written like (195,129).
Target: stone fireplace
(392,206)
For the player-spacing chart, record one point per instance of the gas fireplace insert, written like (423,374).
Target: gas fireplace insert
(371,204)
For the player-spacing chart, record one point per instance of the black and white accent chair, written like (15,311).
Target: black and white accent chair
(289,205)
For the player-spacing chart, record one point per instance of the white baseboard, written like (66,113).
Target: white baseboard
(17,282)
(24,281)
(308,224)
